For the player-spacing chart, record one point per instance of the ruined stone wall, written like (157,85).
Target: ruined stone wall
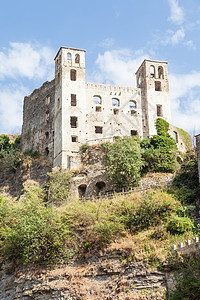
(38,121)
(198,152)
(173,131)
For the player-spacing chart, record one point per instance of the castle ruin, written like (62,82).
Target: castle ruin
(67,112)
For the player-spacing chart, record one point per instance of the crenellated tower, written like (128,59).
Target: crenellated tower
(70,105)
(152,78)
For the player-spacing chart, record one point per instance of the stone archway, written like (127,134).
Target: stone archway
(99,187)
(81,190)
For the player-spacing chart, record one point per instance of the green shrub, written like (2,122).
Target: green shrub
(124,161)
(179,225)
(36,234)
(84,147)
(58,185)
(187,279)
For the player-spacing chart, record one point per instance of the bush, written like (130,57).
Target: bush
(187,279)
(35,234)
(84,147)
(179,225)
(58,185)
(124,161)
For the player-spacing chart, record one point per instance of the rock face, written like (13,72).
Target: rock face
(105,278)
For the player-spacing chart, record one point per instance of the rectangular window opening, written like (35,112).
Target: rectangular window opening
(159,110)
(73,100)
(74,122)
(133,132)
(98,129)
(157,86)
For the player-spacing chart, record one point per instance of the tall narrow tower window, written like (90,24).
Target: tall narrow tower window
(152,71)
(73,75)
(157,86)
(73,100)
(74,122)
(77,58)
(159,110)
(160,72)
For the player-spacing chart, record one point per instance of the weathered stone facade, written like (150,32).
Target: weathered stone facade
(67,112)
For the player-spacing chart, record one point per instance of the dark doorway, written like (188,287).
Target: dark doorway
(99,186)
(82,190)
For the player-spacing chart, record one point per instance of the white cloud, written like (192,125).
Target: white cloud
(26,60)
(11,102)
(118,67)
(185,102)
(174,38)
(107,43)
(177,14)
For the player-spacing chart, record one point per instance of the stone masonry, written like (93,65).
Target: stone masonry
(68,111)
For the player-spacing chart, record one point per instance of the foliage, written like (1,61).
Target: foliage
(186,182)
(160,152)
(124,161)
(4,143)
(186,138)
(9,153)
(179,225)
(58,185)
(35,233)
(84,147)
(187,278)
(162,127)
(31,153)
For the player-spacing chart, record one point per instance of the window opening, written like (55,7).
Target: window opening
(133,113)
(47,151)
(159,110)
(47,100)
(47,117)
(133,132)
(74,139)
(77,58)
(152,71)
(115,102)
(47,135)
(132,104)
(73,100)
(176,136)
(69,56)
(160,72)
(74,122)
(98,108)
(97,99)
(116,111)
(98,129)
(157,86)
(73,75)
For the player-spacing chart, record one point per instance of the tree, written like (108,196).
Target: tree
(124,161)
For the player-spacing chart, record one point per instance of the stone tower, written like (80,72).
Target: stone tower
(70,105)
(152,78)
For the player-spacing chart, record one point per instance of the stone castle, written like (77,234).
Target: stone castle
(68,111)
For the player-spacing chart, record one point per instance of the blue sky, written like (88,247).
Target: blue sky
(116,34)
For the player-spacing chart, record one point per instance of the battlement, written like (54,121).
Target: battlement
(188,248)
(113,88)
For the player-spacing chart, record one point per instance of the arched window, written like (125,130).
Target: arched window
(97,99)
(160,72)
(133,104)
(69,56)
(77,58)
(152,71)
(115,102)
(73,75)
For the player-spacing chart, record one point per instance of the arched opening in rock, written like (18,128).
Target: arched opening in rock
(82,190)
(99,186)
